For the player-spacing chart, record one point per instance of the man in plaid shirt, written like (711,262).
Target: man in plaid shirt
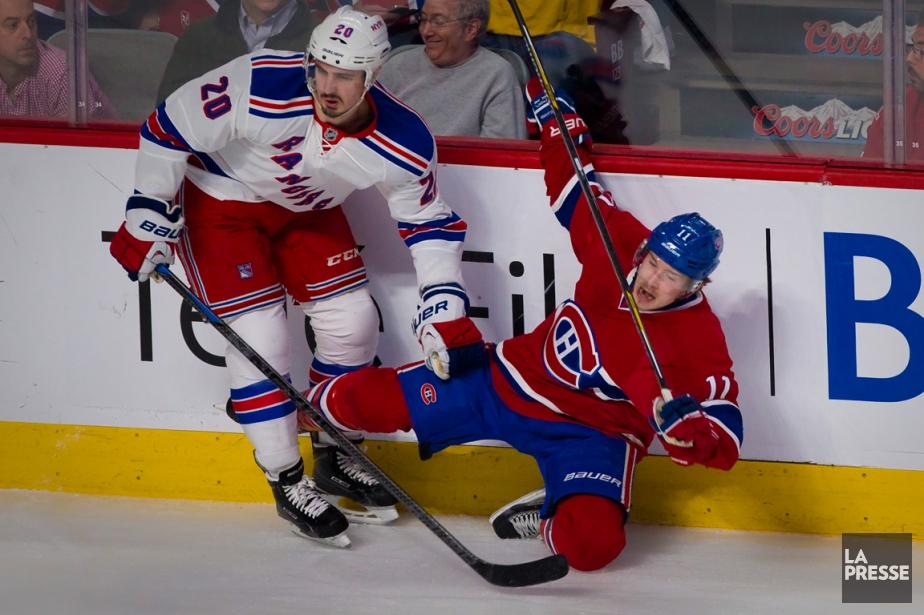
(33,74)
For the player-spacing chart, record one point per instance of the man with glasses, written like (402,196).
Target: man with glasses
(459,87)
(914,109)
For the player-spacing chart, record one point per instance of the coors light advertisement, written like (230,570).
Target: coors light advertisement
(792,116)
(847,33)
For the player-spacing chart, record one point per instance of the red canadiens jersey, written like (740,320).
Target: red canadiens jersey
(585,362)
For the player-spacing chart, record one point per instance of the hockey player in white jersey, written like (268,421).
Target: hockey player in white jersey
(271,144)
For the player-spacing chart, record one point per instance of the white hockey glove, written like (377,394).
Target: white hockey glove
(439,303)
(147,237)
(454,345)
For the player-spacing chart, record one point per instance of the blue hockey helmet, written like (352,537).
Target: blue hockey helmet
(689,244)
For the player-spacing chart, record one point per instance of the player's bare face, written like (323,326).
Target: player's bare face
(657,284)
(337,92)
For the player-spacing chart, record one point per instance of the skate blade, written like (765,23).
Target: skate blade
(341,540)
(357,513)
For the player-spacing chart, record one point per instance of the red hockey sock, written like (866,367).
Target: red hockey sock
(587,530)
(369,399)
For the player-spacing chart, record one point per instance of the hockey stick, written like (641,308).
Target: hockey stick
(592,204)
(543,570)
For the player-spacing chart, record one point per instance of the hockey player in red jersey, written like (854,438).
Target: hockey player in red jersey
(271,144)
(577,393)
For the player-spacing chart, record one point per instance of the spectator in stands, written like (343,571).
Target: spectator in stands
(459,87)
(237,28)
(172,16)
(33,74)
(914,106)
(559,29)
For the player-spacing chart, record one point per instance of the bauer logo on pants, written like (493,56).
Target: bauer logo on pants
(876,568)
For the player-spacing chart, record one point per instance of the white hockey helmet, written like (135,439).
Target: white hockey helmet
(349,39)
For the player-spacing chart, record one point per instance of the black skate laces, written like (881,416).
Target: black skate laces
(352,469)
(305,499)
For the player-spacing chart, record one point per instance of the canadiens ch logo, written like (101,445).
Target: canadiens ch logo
(428,393)
(570,351)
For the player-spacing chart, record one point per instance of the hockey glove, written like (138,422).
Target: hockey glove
(688,435)
(455,345)
(541,115)
(147,237)
(438,303)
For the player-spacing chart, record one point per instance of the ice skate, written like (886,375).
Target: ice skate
(348,486)
(299,503)
(519,518)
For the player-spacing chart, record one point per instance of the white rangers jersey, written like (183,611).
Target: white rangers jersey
(246,131)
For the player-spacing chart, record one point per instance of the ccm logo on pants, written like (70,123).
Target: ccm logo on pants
(336,259)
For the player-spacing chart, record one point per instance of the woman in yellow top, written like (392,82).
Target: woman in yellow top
(559,29)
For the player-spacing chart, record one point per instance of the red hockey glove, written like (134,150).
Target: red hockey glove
(688,435)
(452,347)
(146,238)
(539,113)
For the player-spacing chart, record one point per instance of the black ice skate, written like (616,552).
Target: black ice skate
(299,503)
(339,476)
(519,518)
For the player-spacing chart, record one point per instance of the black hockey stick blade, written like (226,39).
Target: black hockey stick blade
(507,575)
(539,571)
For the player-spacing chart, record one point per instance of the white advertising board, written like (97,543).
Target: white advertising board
(839,381)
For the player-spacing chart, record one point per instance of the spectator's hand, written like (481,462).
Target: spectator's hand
(542,116)
(147,237)
(688,435)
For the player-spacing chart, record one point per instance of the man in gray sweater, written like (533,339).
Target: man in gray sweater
(458,87)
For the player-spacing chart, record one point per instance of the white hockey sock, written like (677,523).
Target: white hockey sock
(275,443)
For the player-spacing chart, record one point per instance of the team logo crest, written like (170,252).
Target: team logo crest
(428,393)
(330,134)
(570,351)
(245,270)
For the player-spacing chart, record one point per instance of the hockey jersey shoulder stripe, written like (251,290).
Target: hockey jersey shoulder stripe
(451,228)
(278,78)
(160,130)
(402,126)
(391,156)
(268,108)
(393,150)
(278,59)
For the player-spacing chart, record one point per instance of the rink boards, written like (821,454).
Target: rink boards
(109,388)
